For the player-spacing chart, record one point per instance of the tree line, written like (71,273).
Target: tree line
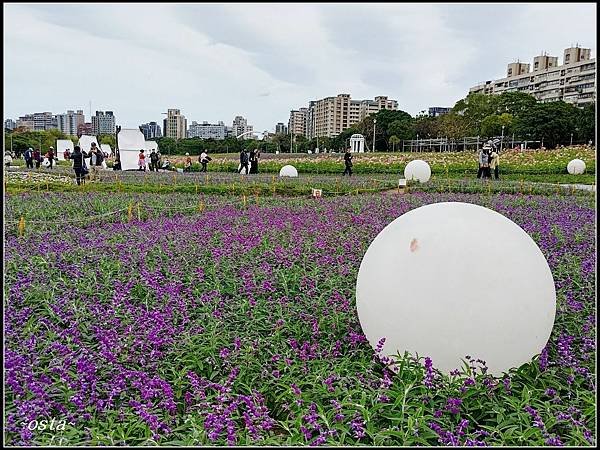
(555,123)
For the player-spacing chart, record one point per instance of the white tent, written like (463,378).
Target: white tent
(61,146)
(151,145)
(130,142)
(105,149)
(85,142)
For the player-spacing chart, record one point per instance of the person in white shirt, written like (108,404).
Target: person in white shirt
(204,159)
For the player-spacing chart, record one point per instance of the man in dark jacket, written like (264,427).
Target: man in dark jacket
(78,164)
(153,161)
(348,163)
(29,158)
(243,162)
(37,157)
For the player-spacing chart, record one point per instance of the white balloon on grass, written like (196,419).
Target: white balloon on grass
(288,171)
(417,170)
(441,281)
(576,167)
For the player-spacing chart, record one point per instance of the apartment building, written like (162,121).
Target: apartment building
(175,125)
(85,128)
(332,115)
(151,130)
(38,121)
(281,128)
(207,130)
(240,126)
(573,82)
(297,122)
(436,111)
(10,124)
(69,123)
(104,123)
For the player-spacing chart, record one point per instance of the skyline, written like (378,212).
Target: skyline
(217,61)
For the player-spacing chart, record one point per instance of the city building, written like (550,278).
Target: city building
(151,130)
(207,130)
(281,128)
(573,82)
(69,123)
(240,126)
(38,121)
(332,115)
(297,122)
(85,129)
(103,123)
(436,111)
(175,125)
(10,124)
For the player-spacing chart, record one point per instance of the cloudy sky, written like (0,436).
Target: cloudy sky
(216,61)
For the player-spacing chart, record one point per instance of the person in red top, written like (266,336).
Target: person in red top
(37,157)
(142,161)
(50,156)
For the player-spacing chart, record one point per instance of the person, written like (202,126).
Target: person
(204,159)
(482,157)
(153,161)
(67,154)
(7,159)
(50,156)
(37,157)
(348,163)
(29,158)
(256,157)
(166,165)
(252,160)
(96,159)
(187,166)
(79,166)
(494,163)
(142,161)
(243,162)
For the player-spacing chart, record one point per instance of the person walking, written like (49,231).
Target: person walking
(243,162)
(50,156)
(96,159)
(494,163)
(204,159)
(142,161)
(79,165)
(252,160)
(153,161)
(37,157)
(257,158)
(29,158)
(348,163)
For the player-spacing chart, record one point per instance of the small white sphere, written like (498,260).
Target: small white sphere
(288,171)
(441,281)
(417,170)
(576,167)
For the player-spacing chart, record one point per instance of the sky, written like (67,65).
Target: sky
(217,61)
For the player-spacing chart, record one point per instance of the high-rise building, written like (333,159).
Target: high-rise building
(436,111)
(68,123)
(103,123)
(151,130)
(10,124)
(85,128)
(297,122)
(175,125)
(240,126)
(38,121)
(281,128)
(573,82)
(207,130)
(332,115)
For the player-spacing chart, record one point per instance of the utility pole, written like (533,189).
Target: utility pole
(374,122)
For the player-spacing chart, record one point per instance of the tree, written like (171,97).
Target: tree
(514,103)
(585,126)
(426,127)
(453,126)
(551,122)
(492,125)
(393,141)
(474,108)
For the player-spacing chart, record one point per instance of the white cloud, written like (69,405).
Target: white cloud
(216,61)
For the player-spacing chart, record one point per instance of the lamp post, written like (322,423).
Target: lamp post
(374,122)
(571,143)
(417,141)
(502,138)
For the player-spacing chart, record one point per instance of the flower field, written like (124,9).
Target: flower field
(205,320)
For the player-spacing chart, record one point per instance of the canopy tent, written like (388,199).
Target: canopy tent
(129,142)
(85,142)
(61,146)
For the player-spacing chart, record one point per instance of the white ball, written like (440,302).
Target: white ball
(417,170)
(452,279)
(288,171)
(576,167)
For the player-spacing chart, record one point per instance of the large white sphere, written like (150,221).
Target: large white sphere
(417,170)
(452,279)
(288,171)
(576,167)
